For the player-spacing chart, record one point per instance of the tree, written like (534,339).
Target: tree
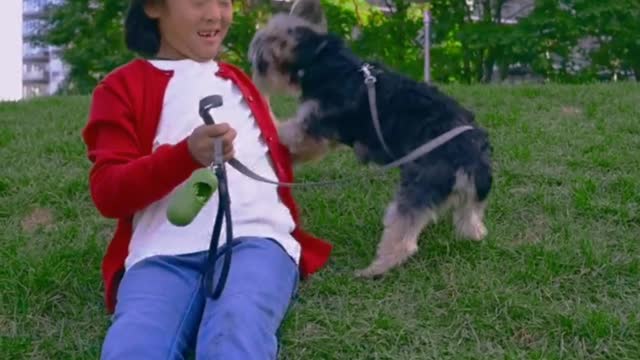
(548,37)
(615,26)
(390,38)
(468,41)
(90,35)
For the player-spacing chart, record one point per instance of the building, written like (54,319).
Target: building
(11,40)
(42,68)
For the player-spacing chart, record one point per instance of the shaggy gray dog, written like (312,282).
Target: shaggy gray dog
(294,54)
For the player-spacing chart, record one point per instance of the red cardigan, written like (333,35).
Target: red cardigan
(126,176)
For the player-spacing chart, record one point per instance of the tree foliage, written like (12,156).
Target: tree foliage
(468,42)
(616,25)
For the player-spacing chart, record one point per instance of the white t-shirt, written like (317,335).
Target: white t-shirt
(256,209)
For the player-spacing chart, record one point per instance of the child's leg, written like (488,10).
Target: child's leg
(158,309)
(243,322)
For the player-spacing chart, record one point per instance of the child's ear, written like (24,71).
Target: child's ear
(310,10)
(153,8)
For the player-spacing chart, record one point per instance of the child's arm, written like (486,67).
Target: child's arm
(123,179)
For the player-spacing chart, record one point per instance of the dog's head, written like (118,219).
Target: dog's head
(279,51)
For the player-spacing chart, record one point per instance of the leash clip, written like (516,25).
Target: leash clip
(369,79)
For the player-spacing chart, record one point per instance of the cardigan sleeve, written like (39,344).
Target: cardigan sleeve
(123,178)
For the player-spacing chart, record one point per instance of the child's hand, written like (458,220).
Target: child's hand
(201,142)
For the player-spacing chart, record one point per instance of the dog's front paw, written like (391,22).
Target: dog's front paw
(374,270)
(303,148)
(291,135)
(369,273)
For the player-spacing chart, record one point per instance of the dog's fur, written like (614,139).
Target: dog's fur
(294,54)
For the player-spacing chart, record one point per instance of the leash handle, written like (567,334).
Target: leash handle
(206,104)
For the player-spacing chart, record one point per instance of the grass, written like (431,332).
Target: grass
(558,276)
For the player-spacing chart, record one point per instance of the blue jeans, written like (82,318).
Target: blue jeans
(162,311)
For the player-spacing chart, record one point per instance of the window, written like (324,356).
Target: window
(33,90)
(35,71)
(34,6)
(29,49)
(32,26)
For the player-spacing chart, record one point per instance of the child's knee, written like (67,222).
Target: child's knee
(134,337)
(239,327)
(247,313)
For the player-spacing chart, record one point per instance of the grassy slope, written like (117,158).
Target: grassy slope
(558,276)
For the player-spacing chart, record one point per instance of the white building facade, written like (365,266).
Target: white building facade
(43,70)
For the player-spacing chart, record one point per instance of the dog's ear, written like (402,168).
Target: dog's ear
(311,11)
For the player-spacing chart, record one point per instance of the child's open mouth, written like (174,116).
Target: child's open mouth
(208,34)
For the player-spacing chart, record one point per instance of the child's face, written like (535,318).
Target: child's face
(192,29)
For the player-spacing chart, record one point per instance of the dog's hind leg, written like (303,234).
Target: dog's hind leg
(402,227)
(425,192)
(468,215)
(468,219)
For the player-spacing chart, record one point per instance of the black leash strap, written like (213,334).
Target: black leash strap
(224,213)
(224,210)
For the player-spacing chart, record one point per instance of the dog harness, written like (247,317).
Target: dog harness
(370,82)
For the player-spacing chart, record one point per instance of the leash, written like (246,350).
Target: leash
(370,81)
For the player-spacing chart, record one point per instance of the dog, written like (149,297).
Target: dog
(294,54)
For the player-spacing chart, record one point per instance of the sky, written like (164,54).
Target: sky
(11,45)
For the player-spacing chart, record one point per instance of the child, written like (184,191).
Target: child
(145,138)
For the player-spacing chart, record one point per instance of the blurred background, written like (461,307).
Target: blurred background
(66,46)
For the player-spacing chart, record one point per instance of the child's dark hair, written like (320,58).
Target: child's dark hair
(140,31)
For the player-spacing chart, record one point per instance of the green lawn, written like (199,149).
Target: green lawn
(558,276)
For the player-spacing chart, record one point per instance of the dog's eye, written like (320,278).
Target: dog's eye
(262,66)
(289,31)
